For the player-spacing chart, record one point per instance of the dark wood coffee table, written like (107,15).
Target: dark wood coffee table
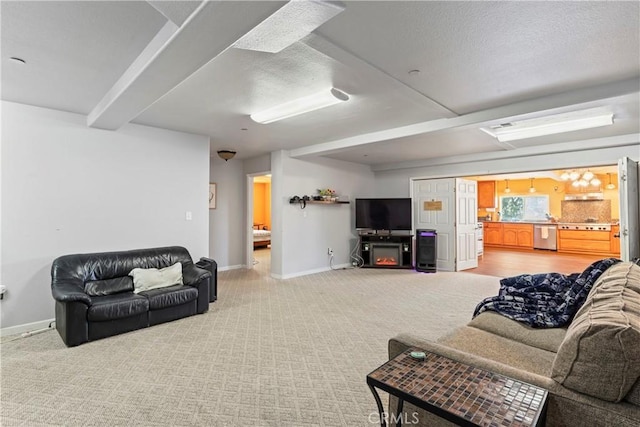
(463,394)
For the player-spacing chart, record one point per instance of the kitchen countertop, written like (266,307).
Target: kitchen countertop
(545,222)
(522,222)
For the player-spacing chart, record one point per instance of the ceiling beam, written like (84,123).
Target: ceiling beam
(539,150)
(175,54)
(503,113)
(175,11)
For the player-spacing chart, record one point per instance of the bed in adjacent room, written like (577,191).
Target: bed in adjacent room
(261,238)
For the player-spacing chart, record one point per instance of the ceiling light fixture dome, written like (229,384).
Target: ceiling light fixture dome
(226,155)
(532,189)
(587,175)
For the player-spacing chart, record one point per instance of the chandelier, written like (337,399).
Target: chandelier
(581,179)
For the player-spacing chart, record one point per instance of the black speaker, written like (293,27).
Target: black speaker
(426,250)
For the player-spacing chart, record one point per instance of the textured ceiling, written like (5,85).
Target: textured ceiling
(422,76)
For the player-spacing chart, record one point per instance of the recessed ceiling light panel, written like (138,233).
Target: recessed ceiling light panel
(287,25)
(551,125)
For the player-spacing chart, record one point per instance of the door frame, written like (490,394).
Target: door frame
(248,253)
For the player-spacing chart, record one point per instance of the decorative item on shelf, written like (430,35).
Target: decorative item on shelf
(327,194)
(302,201)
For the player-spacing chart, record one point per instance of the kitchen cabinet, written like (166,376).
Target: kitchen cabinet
(584,241)
(614,239)
(486,194)
(492,234)
(520,235)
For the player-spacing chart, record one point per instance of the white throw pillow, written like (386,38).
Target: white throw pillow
(145,279)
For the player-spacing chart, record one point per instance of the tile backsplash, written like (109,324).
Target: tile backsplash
(585,211)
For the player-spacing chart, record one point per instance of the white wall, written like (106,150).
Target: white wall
(257,164)
(67,188)
(226,229)
(301,236)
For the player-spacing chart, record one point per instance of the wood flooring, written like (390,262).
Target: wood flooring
(508,262)
(495,262)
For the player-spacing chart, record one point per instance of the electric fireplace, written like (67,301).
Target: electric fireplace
(389,255)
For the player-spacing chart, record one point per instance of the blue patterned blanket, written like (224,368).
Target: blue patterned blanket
(544,300)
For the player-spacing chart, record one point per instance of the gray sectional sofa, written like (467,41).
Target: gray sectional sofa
(591,368)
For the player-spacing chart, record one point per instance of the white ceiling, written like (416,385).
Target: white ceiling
(172,65)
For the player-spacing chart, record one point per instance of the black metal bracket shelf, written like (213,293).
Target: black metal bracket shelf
(306,200)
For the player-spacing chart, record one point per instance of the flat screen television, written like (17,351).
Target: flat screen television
(383,214)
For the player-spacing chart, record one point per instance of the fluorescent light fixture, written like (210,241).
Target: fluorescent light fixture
(287,25)
(303,105)
(551,125)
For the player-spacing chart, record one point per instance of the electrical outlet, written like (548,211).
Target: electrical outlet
(329,251)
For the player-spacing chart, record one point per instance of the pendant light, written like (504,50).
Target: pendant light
(507,189)
(610,186)
(532,189)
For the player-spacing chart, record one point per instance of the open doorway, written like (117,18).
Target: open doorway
(541,218)
(577,210)
(259,218)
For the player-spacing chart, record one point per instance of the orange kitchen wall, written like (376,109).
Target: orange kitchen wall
(262,204)
(556,192)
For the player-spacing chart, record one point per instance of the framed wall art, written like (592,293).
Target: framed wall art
(212,195)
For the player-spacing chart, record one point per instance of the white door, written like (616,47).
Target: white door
(434,209)
(629,209)
(466,223)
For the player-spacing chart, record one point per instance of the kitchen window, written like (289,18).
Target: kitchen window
(524,208)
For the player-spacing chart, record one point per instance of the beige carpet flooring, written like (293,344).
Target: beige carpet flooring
(268,353)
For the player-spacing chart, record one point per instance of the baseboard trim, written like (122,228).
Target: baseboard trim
(231,267)
(314,271)
(27,327)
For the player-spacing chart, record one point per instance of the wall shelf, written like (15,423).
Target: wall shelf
(319,202)
(326,202)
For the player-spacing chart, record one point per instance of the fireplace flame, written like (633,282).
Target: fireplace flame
(386,261)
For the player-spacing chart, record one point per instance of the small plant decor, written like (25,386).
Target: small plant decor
(327,193)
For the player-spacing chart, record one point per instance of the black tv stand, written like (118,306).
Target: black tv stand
(386,250)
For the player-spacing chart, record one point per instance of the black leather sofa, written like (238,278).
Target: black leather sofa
(94,295)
